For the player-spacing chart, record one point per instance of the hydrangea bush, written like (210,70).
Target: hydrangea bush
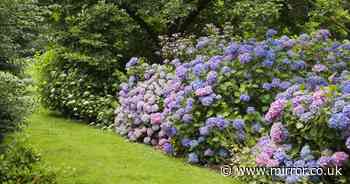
(310,128)
(211,101)
(139,116)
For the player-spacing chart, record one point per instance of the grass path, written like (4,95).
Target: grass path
(101,157)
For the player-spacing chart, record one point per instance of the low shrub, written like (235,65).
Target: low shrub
(79,92)
(15,102)
(20,164)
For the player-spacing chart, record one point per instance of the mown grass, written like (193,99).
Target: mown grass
(102,157)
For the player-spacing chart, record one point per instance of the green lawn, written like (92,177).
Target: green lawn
(101,157)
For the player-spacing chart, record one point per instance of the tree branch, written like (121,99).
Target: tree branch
(144,25)
(181,24)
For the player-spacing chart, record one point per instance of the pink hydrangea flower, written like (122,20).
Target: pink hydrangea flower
(339,158)
(156,118)
(319,98)
(278,133)
(275,110)
(262,159)
(204,91)
(319,68)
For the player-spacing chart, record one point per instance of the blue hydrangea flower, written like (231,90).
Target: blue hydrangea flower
(212,77)
(339,121)
(232,49)
(203,42)
(270,33)
(267,86)
(193,158)
(207,100)
(181,72)
(239,124)
(256,127)
(346,87)
(245,58)
(306,153)
(244,98)
(223,153)
(187,118)
(347,143)
(208,152)
(204,131)
(226,70)
(280,156)
(292,179)
(132,62)
(193,144)
(267,63)
(168,148)
(186,142)
(250,110)
(199,69)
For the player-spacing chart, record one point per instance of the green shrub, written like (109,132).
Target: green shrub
(15,103)
(20,164)
(80,92)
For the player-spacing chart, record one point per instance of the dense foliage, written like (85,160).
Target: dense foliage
(20,164)
(16,36)
(14,102)
(95,39)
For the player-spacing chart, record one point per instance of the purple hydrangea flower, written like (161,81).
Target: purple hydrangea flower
(204,91)
(324,161)
(323,34)
(181,72)
(208,152)
(214,62)
(187,118)
(319,68)
(204,131)
(168,148)
(232,49)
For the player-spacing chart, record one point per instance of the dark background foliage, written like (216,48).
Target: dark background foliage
(93,39)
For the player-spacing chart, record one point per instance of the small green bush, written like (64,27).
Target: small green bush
(20,164)
(80,92)
(15,103)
